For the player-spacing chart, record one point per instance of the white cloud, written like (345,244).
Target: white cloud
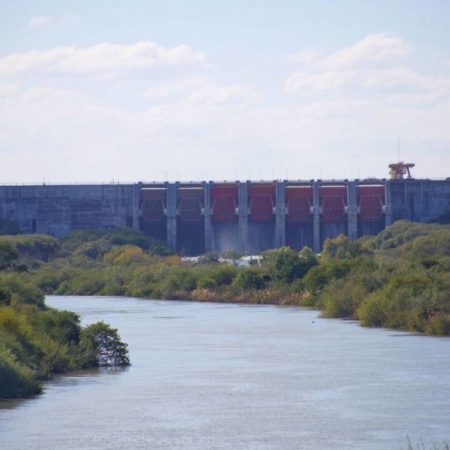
(374,48)
(40,22)
(231,95)
(193,125)
(307,56)
(8,89)
(395,80)
(204,91)
(369,67)
(405,79)
(67,135)
(175,89)
(371,50)
(322,81)
(106,59)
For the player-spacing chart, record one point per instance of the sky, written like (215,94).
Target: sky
(142,90)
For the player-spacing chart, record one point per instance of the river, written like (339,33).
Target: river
(220,376)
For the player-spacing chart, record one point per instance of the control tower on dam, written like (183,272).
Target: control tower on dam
(246,216)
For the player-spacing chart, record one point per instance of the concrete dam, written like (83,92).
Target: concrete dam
(249,217)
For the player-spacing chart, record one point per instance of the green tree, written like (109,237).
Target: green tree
(286,265)
(100,345)
(125,254)
(338,248)
(249,279)
(8,255)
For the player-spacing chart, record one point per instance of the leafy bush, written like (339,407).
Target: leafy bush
(22,290)
(101,241)
(83,282)
(100,345)
(16,380)
(219,275)
(38,342)
(400,233)
(38,246)
(125,254)
(249,279)
(94,249)
(206,281)
(8,255)
(286,265)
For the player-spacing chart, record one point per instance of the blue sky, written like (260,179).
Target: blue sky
(143,90)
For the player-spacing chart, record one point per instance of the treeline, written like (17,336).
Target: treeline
(125,263)
(36,341)
(399,278)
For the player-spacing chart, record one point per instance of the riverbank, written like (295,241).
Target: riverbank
(399,279)
(233,376)
(37,342)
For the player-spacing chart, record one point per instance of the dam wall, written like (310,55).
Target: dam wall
(57,210)
(198,217)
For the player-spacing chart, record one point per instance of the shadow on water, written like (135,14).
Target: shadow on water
(66,379)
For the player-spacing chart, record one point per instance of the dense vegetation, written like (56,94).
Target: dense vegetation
(36,341)
(398,279)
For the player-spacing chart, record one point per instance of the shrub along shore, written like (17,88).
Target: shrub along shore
(36,341)
(397,279)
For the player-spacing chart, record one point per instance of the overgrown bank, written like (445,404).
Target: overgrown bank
(398,279)
(36,341)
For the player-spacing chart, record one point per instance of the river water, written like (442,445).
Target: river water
(219,376)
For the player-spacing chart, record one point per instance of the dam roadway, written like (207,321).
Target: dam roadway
(193,218)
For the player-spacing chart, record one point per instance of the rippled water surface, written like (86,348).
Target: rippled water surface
(215,376)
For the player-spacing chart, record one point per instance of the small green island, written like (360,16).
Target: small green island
(398,279)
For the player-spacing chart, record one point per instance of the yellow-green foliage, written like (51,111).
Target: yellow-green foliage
(399,279)
(249,280)
(34,343)
(38,246)
(96,243)
(21,289)
(125,254)
(286,265)
(38,342)
(403,282)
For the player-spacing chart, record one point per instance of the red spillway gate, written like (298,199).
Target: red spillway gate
(190,201)
(370,203)
(224,202)
(152,203)
(333,202)
(261,202)
(299,201)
